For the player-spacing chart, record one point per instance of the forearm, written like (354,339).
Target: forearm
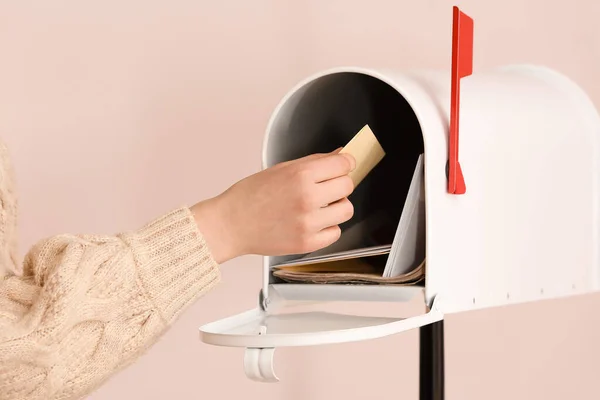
(88,305)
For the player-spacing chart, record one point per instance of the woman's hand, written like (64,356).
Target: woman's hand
(290,208)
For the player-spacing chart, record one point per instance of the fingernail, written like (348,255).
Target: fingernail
(337,150)
(351,160)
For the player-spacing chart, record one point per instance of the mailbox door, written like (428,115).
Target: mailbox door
(261,331)
(282,324)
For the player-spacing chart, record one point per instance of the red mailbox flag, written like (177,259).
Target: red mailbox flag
(462,65)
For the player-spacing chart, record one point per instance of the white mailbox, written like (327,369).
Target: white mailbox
(513,217)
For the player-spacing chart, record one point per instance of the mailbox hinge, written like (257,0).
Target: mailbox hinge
(258,362)
(263,301)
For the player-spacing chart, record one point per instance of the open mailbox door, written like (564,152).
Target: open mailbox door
(260,332)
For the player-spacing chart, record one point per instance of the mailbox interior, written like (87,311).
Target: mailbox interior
(324,114)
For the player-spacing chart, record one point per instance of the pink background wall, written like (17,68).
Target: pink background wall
(116,111)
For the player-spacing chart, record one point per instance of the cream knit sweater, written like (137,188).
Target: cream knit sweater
(86,306)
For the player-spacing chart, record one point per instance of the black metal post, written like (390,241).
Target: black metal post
(431,361)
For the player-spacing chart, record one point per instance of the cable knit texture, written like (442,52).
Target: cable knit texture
(86,306)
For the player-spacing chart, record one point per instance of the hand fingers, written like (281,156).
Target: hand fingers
(335,189)
(332,166)
(310,157)
(317,156)
(326,237)
(334,214)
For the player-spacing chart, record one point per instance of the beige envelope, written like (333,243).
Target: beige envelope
(367,151)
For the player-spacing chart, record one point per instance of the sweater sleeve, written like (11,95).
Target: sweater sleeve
(87,306)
